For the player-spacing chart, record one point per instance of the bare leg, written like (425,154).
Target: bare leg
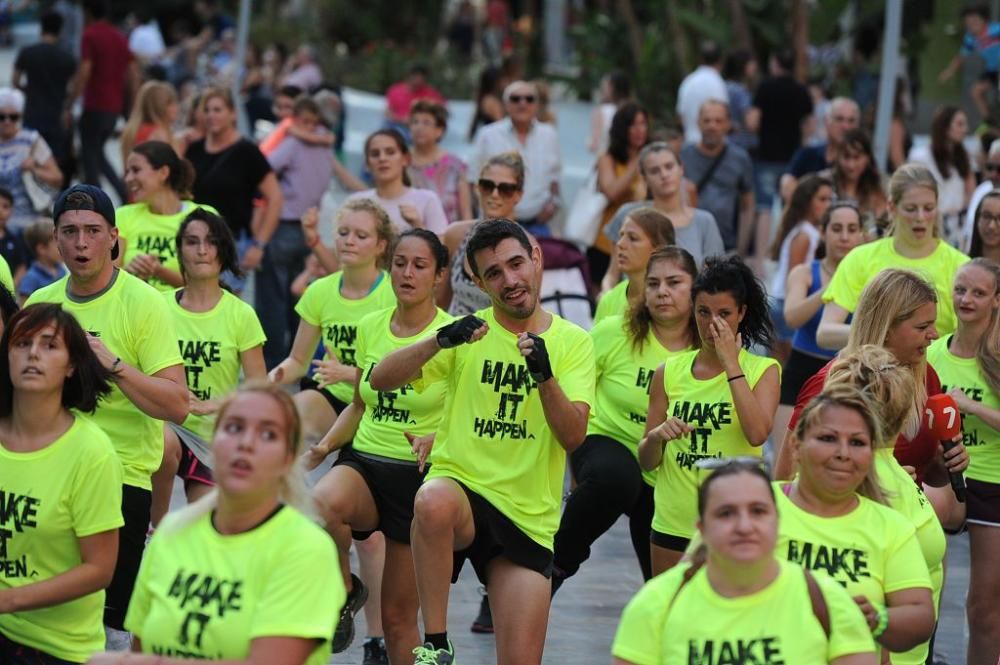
(317,415)
(399,603)
(663,559)
(520,600)
(345,502)
(371,557)
(195,490)
(163,479)
(984,588)
(442,523)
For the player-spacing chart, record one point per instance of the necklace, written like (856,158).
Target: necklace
(826,269)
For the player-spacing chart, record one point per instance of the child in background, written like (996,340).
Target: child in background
(47,266)
(11,246)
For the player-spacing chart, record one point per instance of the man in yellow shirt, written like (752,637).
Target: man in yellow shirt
(130,330)
(520,388)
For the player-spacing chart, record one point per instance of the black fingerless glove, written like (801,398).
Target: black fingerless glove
(458,332)
(537,361)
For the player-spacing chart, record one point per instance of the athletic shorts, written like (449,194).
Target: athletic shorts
(497,535)
(668,542)
(13,653)
(393,484)
(308,383)
(799,369)
(193,469)
(983,502)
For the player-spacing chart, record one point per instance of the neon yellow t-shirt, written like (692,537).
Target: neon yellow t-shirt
(871,551)
(134,323)
(981,440)
(49,499)
(624,376)
(708,407)
(210,343)
(337,317)
(612,303)
(145,232)
(660,624)
(908,499)
(389,414)
(865,261)
(6,278)
(203,595)
(494,437)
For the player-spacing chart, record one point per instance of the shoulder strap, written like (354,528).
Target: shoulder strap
(707,175)
(818,602)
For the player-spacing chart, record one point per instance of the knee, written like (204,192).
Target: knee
(370,546)
(982,611)
(435,507)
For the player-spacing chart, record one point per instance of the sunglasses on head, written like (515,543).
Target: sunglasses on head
(506,189)
(742,462)
(12,117)
(527,99)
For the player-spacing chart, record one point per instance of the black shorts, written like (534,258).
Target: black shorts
(192,469)
(497,535)
(668,542)
(799,368)
(393,485)
(13,653)
(990,77)
(983,503)
(308,383)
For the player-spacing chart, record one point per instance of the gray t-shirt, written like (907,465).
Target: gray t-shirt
(701,237)
(721,194)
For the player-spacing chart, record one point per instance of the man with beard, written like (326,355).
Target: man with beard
(520,386)
(723,173)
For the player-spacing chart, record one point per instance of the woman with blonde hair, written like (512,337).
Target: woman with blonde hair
(153,117)
(913,243)
(264,572)
(969,365)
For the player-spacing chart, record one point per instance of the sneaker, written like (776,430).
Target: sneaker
(484,620)
(428,655)
(375,653)
(356,599)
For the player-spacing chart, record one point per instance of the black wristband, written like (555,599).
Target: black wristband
(738,376)
(538,360)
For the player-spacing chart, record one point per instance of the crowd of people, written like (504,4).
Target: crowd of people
(772,443)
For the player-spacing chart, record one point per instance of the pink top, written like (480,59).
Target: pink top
(426,202)
(399,97)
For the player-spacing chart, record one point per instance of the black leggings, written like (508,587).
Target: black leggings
(136,504)
(609,484)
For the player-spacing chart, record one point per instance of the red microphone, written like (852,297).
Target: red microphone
(945,422)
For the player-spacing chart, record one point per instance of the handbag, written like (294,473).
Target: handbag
(584,217)
(39,194)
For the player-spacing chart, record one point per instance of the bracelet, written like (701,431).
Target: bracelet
(256,243)
(883,622)
(738,376)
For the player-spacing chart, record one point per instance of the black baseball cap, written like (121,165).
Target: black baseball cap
(94,199)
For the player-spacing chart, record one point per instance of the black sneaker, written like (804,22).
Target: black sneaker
(375,653)
(484,621)
(356,599)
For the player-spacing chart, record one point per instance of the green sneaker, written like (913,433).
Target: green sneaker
(428,655)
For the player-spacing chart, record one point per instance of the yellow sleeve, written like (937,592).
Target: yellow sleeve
(138,606)
(905,567)
(96,502)
(157,342)
(574,367)
(250,332)
(849,633)
(6,279)
(438,368)
(310,305)
(301,600)
(848,281)
(640,632)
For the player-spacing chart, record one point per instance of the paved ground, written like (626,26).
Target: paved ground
(586,611)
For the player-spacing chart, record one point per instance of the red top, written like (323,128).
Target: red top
(400,96)
(917,452)
(107,51)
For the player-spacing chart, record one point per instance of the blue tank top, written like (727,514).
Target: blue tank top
(805,337)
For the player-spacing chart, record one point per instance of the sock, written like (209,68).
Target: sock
(437,640)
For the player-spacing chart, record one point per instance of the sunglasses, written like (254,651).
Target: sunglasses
(527,99)
(12,117)
(506,189)
(741,462)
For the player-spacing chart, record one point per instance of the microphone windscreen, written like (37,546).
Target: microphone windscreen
(943,417)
